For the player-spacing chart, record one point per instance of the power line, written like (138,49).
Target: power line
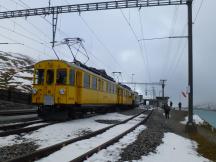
(177,62)
(61,32)
(100,41)
(200,6)
(170,42)
(177,52)
(135,35)
(143,44)
(45,36)
(159,38)
(32,48)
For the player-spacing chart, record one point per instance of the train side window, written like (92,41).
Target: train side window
(50,76)
(108,87)
(86,80)
(100,85)
(94,83)
(61,76)
(72,77)
(104,86)
(39,76)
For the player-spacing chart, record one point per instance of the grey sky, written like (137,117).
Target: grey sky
(119,50)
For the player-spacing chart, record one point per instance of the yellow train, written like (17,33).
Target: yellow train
(68,88)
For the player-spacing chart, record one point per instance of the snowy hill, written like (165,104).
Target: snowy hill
(16,71)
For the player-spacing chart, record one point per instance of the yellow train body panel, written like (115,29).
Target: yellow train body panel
(58,82)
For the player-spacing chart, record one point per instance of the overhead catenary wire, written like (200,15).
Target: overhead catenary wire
(135,35)
(178,60)
(168,74)
(24,5)
(143,44)
(100,41)
(197,14)
(15,41)
(170,42)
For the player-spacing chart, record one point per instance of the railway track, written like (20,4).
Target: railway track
(27,128)
(18,112)
(38,154)
(11,126)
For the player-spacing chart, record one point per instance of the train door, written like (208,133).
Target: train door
(49,88)
(79,81)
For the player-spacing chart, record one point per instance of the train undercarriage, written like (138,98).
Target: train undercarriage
(65,112)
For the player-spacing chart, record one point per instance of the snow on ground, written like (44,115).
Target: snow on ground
(60,132)
(175,148)
(9,140)
(196,119)
(76,149)
(112,153)
(36,124)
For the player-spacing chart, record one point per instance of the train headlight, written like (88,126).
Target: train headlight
(62,91)
(34,91)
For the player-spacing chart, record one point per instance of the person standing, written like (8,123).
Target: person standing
(166,110)
(180,105)
(171,104)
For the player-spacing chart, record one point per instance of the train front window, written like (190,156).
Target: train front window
(50,76)
(61,77)
(39,76)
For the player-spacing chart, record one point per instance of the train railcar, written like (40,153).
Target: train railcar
(68,88)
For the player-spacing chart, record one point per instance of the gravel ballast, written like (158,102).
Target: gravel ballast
(147,140)
(10,152)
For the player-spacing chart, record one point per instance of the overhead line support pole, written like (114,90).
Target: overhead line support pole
(190,63)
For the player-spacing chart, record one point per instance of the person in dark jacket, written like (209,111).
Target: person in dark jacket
(166,110)
(180,105)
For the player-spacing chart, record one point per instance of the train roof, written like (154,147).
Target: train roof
(125,86)
(100,72)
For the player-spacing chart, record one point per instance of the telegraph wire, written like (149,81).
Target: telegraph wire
(61,32)
(45,35)
(197,14)
(170,42)
(27,46)
(177,52)
(134,34)
(143,44)
(100,41)
(178,61)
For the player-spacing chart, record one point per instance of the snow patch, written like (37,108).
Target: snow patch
(60,132)
(175,148)
(112,153)
(76,149)
(197,120)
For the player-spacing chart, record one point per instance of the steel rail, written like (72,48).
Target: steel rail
(48,150)
(17,112)
(108,143)
(23,130)
(18,125)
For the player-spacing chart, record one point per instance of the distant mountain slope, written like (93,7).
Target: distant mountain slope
(16,71)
